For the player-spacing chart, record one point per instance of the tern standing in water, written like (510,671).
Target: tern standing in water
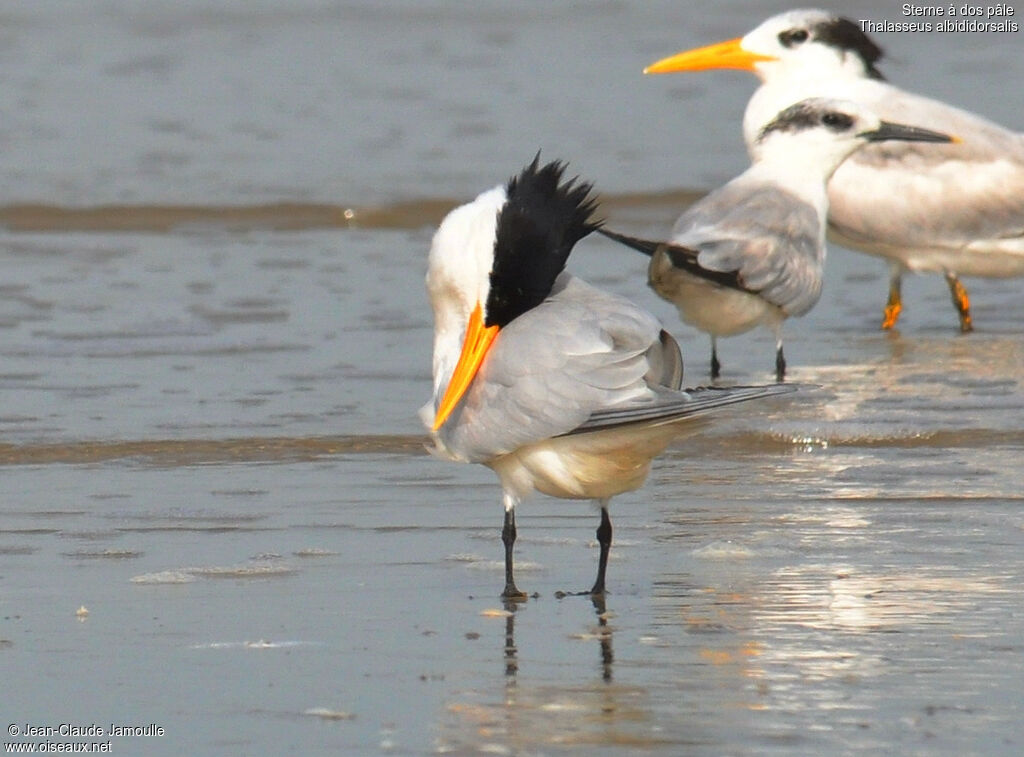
(752,252)
(555,385)
(955,209)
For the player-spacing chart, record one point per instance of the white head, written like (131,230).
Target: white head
(817,134)
(798,43)
(812,43)
(458,274)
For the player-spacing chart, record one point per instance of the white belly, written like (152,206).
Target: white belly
(594,465)
(714,309)
(995,258)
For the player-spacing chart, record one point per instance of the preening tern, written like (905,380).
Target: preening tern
(555,385)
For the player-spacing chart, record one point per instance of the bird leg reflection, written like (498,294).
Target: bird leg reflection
(716,367)
(605,636)
(511,652)
(508,538)
(960,302)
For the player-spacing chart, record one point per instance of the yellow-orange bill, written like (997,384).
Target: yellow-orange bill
(477,341)
(726,54)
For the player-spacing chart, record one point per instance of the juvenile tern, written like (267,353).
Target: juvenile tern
(751,253)
(955,209)
(557,386)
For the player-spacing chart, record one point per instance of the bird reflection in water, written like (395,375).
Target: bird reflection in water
(511,659)
(604,636)
(545,703)
(602,632)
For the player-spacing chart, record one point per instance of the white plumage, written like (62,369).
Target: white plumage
(954,209)
(752,252)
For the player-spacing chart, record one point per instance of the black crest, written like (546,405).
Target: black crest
(541,221)
(847,35)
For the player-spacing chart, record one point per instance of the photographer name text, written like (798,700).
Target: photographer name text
(92,730)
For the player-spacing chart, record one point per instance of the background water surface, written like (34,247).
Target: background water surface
(214,340)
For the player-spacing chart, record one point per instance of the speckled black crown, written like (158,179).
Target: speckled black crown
(847,35)
(807,114)
(542,219)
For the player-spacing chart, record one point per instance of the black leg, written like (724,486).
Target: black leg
(780,364)
(716,367)
(508,538)
(604,539)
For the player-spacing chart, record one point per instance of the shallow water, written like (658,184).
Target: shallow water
(214,340)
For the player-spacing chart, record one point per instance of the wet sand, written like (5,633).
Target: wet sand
(211,362)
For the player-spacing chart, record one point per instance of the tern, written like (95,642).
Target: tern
(555,385)
(752,252)
(955,209)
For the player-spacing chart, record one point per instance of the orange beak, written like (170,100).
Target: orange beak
(726,54)
(477,341)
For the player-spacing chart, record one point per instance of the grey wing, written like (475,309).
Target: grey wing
(578,353)
(913,194)
(668,406)
(769,237)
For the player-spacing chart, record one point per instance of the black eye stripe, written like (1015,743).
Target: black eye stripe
(808,114)
(792,37)
(837,121)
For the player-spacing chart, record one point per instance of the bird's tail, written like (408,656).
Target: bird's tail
(684,258)
(645,246)
(674,406)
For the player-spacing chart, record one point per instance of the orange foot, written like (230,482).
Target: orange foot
(891,314)
(961,302)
